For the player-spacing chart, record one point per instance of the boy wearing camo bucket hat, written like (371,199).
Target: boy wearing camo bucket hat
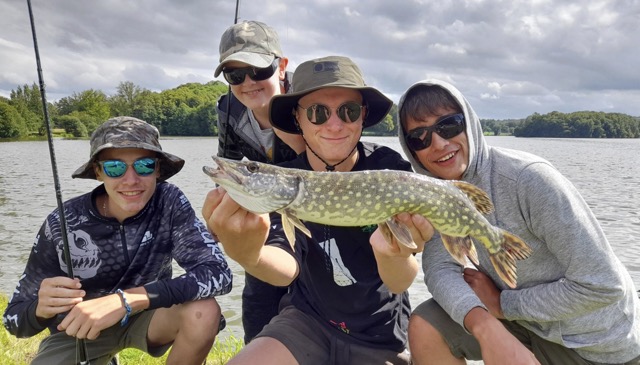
(123,236)
(348,302)
(252,62)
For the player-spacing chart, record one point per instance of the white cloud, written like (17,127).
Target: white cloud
(510,59)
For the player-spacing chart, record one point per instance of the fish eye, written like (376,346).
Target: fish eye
(253,167)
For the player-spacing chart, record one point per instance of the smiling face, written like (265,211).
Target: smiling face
(444,158)
(255,95)
(128,194)
(333,140)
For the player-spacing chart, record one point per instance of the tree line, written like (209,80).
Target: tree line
(190,110)
(187,110)
(581,124)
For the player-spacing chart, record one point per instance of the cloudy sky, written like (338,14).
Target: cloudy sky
(510,58)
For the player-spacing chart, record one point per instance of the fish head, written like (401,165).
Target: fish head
(257,187)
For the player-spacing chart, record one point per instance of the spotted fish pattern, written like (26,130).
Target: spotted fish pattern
(455,208)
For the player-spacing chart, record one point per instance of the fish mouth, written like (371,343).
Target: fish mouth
(219,173)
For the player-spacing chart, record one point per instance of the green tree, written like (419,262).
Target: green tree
(582,124)
(12,124)
(126,100)
(27,101)
(180,108)
(72,124)
(387,126)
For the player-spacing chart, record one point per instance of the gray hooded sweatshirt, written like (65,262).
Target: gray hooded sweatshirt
(572,290)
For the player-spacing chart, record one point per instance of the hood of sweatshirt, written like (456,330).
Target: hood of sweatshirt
(478,150)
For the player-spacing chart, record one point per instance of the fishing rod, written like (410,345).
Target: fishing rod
(80,344)
(229,93)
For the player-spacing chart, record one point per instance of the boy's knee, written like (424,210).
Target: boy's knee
(420,329)
(202,316)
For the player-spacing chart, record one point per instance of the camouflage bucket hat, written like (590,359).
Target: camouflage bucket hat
(251,42)
(128,132)
(332,71)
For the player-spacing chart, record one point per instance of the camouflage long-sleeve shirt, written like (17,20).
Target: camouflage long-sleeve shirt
(107,256)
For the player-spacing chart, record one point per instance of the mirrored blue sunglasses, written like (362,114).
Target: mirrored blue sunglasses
(116,168)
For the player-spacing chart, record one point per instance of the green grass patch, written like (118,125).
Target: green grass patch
(20,351)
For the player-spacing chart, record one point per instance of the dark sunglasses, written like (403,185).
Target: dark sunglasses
(446,127)
(348,112)
(115,168)
(236,76)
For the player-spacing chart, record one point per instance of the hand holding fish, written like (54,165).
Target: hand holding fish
(243,235)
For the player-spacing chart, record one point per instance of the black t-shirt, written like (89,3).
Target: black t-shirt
(339,283)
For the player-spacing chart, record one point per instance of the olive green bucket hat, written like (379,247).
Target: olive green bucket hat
(128,132)
(332,71)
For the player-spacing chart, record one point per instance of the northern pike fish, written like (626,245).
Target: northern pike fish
(351,199)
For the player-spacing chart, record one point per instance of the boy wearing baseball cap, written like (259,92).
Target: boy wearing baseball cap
(252,62)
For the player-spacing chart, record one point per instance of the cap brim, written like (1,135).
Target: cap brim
(258,60)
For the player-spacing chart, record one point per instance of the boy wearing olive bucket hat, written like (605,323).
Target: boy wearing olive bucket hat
(348,302)
(122,238)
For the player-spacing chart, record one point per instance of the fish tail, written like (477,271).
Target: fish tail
(505,266)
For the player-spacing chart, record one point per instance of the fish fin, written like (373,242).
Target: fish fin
(289,224)
(472,254)
(289,230)
(459,248)
(516,247)
(505,266)
(400,231)
(386,232)
(504,261)
(478,196)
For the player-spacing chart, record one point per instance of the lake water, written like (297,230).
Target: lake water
(606,172)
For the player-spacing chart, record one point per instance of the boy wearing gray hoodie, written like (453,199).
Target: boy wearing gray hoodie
(574,303)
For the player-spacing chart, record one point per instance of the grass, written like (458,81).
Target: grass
(20,351)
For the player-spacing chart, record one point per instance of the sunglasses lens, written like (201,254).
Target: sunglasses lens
(145,166)
(451,126)
(235,77)
(447,128)
(317,114)
(419,139)
(114,168)
(264,73)
(349,112)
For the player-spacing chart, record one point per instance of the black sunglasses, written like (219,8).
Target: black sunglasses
(348,112)
(236,76)
(446,127)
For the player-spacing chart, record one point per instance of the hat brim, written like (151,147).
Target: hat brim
(281,107)
(258,60)
(169,164)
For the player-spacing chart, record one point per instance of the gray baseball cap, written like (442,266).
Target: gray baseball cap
(251,42)
(128,132)
(332,71)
